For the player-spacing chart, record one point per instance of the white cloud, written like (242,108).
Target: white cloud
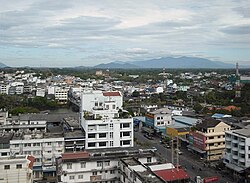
(125,30)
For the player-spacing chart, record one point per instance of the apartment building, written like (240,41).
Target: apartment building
(4,89)
(159,119)
(134,170)
(108,133)
(61,94)
(16,169)
(94,99)
(44,147)
(95,166)
(208,139)
(237,153)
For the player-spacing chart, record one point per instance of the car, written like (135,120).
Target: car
(178,151)
(148,136)
(167,146)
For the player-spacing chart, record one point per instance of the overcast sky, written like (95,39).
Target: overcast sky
(60,33)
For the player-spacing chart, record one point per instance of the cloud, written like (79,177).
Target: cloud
(239,29)
(123,30)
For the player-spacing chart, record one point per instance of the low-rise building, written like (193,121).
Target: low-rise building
(16,169)
(208,138)
(96,166)
(237,153)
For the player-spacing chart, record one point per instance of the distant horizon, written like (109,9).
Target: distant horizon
(87,33)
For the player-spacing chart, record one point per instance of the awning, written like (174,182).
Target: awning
(196,149)
(234,167)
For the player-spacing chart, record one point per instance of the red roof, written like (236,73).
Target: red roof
(172,174)
(109,94)
(76,155)
(32,160)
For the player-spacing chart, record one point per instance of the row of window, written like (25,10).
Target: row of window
(213,137)
(36,144)
(7,167)
(98,164)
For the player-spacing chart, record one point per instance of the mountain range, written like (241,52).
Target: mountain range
(2,65)
(168,62)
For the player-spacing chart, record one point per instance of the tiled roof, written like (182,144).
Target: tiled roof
(76,155)
(172,174)
(109,94)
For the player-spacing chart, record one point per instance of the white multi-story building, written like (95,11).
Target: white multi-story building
(108,133)
(96,99)
(96,166)
(237,153)
(4,89)
(61,94)
(45,149)
(40,92)
(16,169)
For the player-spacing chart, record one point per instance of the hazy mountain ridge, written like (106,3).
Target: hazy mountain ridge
(3,65)
(169,62)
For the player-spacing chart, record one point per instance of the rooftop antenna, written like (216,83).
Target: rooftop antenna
(237,83)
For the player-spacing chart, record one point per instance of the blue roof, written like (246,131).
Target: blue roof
(217,115)
(184,121)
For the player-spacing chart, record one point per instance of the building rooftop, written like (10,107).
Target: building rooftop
(172,174)
(207,123)
(162,111)
(244,132)
(111,94)
(75,155)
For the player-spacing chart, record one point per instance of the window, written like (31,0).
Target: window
(16,145)
(6,167)
(149,159)
(91,135)
(102,135)
(111,126)
(19,166)
(69,165)
(27,145)
(107,163)
(91,144)
(49,143)
(126,142)
(80,176)
(158,118)
(4,154)
(113,106)
(71,177)
(111,143)
(83,164)
(111,135)
(99,163)
(36,144)
(94,173)
(102,144)
(126,125)
(126,133)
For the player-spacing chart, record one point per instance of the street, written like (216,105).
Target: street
(193,165)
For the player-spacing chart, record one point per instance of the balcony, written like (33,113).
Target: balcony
(228,139)
(242,143)
(235,148)
(242,160)
(235,141)
(235,157)
(228,146)
(241,151)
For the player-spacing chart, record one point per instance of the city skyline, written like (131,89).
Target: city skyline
(86,33)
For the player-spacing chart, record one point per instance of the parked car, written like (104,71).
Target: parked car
(167,146)
(148,136)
